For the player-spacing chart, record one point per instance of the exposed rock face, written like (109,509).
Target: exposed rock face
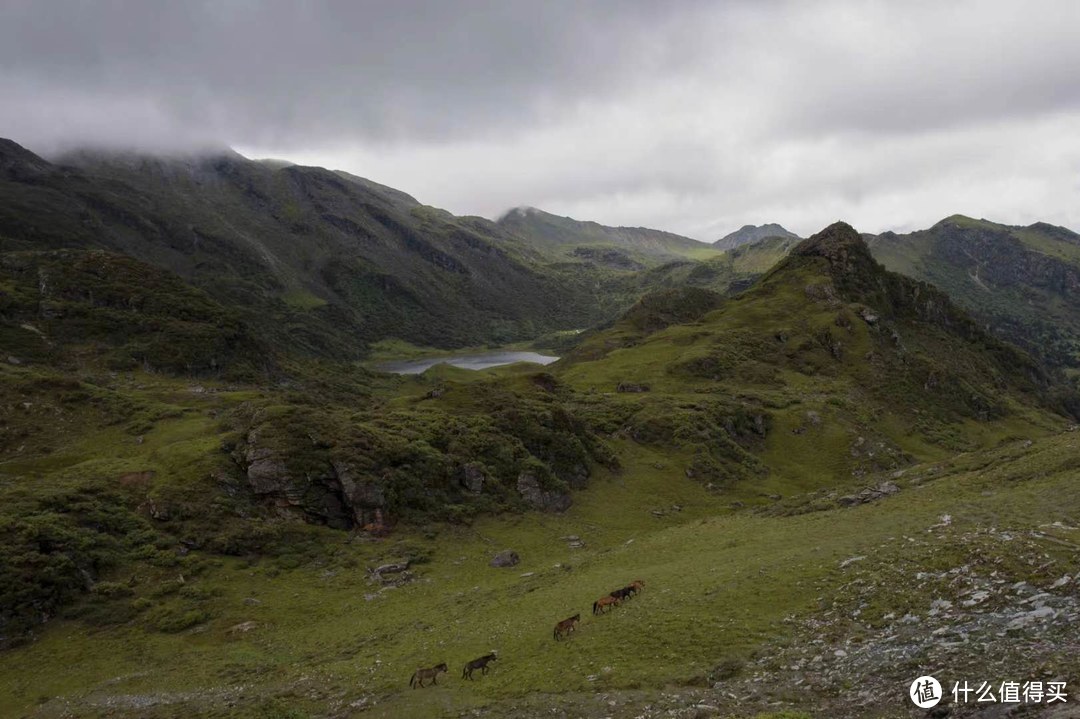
(334,497)
(332,469)
(266,473)
(366,498)
(505,558)
(870,494)
(473,477)
(528,485)
(1022,283)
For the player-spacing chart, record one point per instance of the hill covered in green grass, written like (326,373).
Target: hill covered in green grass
(828,366)
(804,475)
(1020,282)
(618,247)
(59,307)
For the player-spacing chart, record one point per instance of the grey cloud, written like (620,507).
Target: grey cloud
(316,72)
(693,116)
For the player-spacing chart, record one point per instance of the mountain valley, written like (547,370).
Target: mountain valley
(834,461)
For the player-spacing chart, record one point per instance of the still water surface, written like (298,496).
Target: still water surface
(480,360)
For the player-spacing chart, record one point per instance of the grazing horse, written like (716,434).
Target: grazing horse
(421,674)
(566,626)
(481,664)
(603,603)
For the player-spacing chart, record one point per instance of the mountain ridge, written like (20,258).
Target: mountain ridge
(551,232)
(752,233)
(1021,281)
(338,260)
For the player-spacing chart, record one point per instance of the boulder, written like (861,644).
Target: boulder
(505,558)
(528,485)
(392,568)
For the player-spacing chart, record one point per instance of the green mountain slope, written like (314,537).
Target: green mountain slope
(617,247)
(836,463)
(828,366)
(66,307)
(322,262)
(1023,283)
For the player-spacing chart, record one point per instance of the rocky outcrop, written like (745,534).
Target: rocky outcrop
(505,558)
(869,494)
(473,477)
(528,485)
(334,496)
(346,471)
(366,498)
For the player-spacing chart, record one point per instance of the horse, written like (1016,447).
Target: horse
(624,593)
(481,664)
(421,674)
(605,602)
(637,585)
(566,626)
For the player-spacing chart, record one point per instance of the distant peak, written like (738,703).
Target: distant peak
(752,233)
(968,222)
(520,212)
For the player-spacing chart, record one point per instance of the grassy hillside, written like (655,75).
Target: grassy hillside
(1021,282)
(804,476)
(828,475)
(57,307)
(617,247)
(733,597)
(860,369)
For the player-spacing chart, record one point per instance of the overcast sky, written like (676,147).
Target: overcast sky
(695,117)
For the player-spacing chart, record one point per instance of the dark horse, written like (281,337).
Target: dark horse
(421,674)
(566,626)
(481,664)
(624,593)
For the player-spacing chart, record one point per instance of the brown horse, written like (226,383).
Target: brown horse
(566,626)
(603,603)
(636,586)
(481,664)
(421,674)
